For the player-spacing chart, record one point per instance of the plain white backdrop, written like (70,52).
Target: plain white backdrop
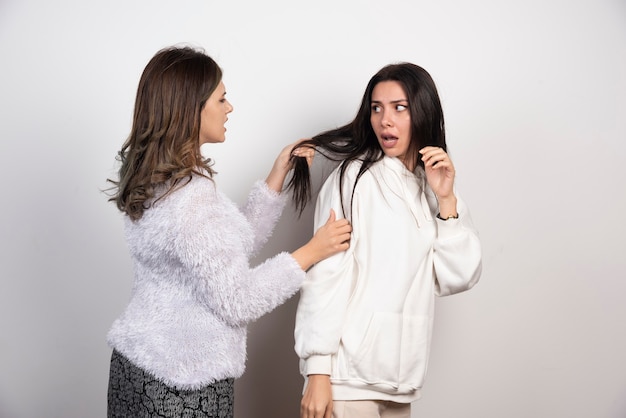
(534,94)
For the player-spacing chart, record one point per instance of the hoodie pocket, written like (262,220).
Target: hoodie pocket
(393,351)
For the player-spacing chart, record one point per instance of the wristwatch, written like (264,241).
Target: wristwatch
(449,217)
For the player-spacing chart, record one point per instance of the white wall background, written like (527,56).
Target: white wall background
(535,98)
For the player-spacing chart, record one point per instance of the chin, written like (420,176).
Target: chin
(216,141)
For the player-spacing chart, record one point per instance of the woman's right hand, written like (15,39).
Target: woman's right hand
(332,238)
(317,401)
(283,163)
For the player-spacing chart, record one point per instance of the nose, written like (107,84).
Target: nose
(229,107)
(385,121)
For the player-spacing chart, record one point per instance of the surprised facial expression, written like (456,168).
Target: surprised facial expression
(391,120)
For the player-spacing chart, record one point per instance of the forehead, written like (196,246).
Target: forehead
(219,91)
(389,90)
(220,87)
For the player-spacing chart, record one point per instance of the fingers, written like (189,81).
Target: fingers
(343,243)
(340,224)
(341,227)
(332,216)
(304,151)
(337,233)
(343,235)
(435,157)
(329,412)
(311,412)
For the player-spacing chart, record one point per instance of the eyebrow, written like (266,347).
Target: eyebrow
(392,101)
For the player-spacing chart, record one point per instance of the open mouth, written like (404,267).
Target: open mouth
(389,140)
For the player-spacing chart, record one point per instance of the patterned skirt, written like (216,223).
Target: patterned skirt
(134,393)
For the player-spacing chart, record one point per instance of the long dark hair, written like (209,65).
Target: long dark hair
(164,146)
(357,140)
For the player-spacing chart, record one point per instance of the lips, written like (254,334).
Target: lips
(389,141)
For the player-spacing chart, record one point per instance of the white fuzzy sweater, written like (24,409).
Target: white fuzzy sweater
(194,290)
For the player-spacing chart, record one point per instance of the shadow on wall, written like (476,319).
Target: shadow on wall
(271,385)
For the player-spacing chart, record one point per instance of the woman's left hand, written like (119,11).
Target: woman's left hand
(439,172)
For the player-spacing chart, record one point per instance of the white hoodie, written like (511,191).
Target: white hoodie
(365,316)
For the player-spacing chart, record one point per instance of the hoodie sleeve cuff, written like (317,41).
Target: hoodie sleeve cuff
(447,229)
(450,228)
(318,364)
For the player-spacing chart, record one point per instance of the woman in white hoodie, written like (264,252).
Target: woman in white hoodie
(181,341)
(365,316)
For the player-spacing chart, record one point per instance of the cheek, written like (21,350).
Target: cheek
(406,126)
(375,122)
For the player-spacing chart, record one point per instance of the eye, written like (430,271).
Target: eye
(401,107)
(375,108)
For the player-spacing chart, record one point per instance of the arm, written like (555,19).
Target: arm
(264,207)
(330,238)
(457,250)
(457,253)
(333,237)
(321,310)
(324,294)
(212,245)
(265,203)
(262,210)
(211,242)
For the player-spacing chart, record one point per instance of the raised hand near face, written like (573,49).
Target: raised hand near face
(440,174)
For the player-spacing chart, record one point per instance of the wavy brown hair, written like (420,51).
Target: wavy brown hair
(163,148)
(357,140)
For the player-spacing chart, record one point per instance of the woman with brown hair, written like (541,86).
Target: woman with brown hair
(181,341)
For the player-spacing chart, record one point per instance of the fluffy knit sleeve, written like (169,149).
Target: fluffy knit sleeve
(262,210)
(213,244)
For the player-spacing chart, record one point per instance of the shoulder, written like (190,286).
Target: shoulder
(348,170)
(196,187)
(191,196)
